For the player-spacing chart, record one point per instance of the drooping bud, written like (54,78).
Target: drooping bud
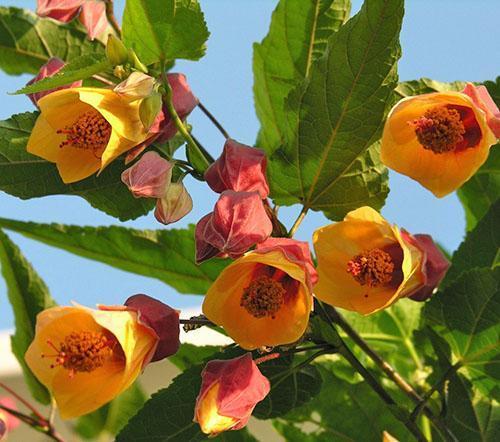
(52,67)
(229,392)
(174,205)
(149,109)
(238,222)
(482,99)
(8,422)
(137,86)
(93,17)
(433,268)
(149,177)
(116,52)
(240,168)
(60,10)
(163,319)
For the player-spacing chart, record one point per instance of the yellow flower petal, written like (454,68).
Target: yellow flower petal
(44,141)
(76,164)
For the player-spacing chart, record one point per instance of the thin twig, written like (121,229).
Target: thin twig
(23,401)
(297,222)
(213,120)
(110,14)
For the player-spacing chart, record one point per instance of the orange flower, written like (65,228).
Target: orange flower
(87,357)
(264,298)
(84,129)
(438,139)
(364,264)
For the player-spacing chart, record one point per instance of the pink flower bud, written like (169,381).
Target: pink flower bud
(240,168)
(295,251)
(53,66)
(238,222)
(60,10)
(229,392)
(149,177)
(184,102)
(93,17)
(163,319)
(434,265)
(174,205)
(482,99)
(138,85)
(7,421)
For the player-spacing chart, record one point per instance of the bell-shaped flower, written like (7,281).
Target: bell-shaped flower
(263,298)
(175,204)
(240,168)
(87,357)
(438,139)
(8,422)
(149,177)
(52,67)
(229,392)
(84,129)
(365,264)
(238,222)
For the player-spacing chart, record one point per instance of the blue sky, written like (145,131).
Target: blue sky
(442,39)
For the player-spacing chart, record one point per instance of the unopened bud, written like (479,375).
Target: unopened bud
(119,71)
(3,429)
(176,204)
(149,109)
(137,86)
(7,421)
(135,62)
(116,52)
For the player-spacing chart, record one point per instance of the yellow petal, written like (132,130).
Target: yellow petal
(116,146)
(207,414)
(62,108)
(44,141)
(76,164)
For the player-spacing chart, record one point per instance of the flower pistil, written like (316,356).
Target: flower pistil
(372,267)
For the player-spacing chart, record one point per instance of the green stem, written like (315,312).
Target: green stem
(23,401)
(213,120)
(297,222)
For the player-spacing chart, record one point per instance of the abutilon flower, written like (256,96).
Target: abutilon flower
(240,168)
(87,357)
(8,422)
(84,129)
(238,222)
(365,264)
(92,13)
(264,298)
(52,67)
(438,139)
(174,205)
(229,392)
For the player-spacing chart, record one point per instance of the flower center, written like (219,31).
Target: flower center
(440,129)
(89,131)
(82,352)
(372,268)
(263,297)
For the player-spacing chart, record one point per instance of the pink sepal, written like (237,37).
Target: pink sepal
(93,17)
(60,10)
(240,168)
(482,99)
(10,422)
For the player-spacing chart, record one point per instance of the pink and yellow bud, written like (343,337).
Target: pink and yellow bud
(229,392)
(136,87)
(240,168)
(174,205)
(238,222)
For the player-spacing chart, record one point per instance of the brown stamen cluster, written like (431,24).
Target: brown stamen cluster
(82,352)
(89,131)
(440,129)
(372,268)
(263,297)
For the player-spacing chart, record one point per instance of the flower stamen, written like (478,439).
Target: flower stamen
(372,268)
(263,297)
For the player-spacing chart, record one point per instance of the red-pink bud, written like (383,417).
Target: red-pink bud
(240,168)
(184,102)
(238,222)
(149,177)
(8,422)
(53,66)
(295,251)
(60,10)
(163,319)
(482,99)
(230,390)
(434,265)
(93,17)
(174,205)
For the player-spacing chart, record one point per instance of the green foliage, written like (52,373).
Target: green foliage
(28,296)
(27,176)
(167,255)
(329,163)
(298,35)
(80,68)
(426,86)
(169,29)
(189,355)
(27,42)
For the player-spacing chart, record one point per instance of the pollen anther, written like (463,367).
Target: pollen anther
(372,268)
(263,297)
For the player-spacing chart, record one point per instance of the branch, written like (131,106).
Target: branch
(110,14)
(213,120)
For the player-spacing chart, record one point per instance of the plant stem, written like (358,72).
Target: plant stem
(23,401)
(21,416)
(110,14)
(297,222)
(213,120)
(196,321)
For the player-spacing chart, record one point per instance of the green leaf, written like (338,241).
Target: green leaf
(480,247)
(467,315)
(189,355)
(325,165)
(479,193)
(27,176)
(80,68)
(28,296)
(494,89)
(341,412)
(27,42)
(169,29)
(167,255)
(427,86)
(297,36)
